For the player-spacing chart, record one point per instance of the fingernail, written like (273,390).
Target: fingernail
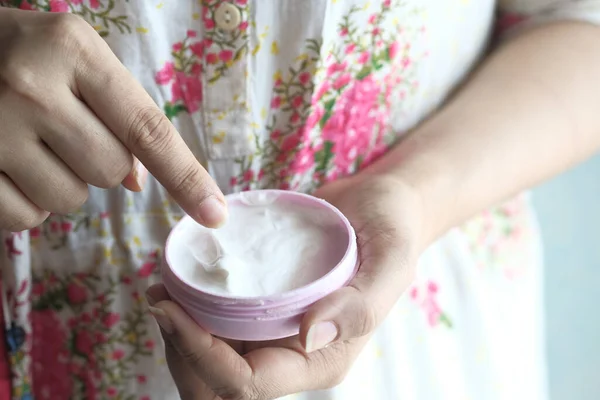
(212,212)
(140,174)
(320,335)
(150,300)
(162,319)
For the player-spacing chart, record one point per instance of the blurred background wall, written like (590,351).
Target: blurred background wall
(569,211)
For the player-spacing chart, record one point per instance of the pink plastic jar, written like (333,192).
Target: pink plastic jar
(260,318)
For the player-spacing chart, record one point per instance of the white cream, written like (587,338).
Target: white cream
(266,247)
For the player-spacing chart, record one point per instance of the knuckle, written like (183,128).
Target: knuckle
(189,180)
(66,29)
(72,201)
(149,131)
(112,173)
(25,221)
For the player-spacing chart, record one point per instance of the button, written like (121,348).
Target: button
(228,17)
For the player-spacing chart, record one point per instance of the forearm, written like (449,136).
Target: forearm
(531,111)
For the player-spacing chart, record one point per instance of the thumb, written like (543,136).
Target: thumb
(358,309)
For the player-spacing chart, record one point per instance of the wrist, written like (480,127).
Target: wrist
(389,188)
(418,170)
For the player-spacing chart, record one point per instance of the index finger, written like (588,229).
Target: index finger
(129,112)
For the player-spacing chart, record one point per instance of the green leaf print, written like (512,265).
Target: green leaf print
(52,300)
(323,157)
(328,106)
(363,73)
(172,110)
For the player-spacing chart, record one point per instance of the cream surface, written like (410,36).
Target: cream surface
(267,247)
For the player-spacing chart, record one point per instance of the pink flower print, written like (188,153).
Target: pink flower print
(197,49)
(118,354)
(364,57)
(11,247)
(350,48)
(276,102)
(248,175)
(90,387)
(243,26)
(209,23)
(432,287)
(84,344)
(149,344)
(165,74)
(25,5)
(336,67)
(95,4)
(303,161)
(241,2)
(304,78)
(66,227)
(58,6)
(344,31)
(342,81)
(508,21)
(320,92)
(191,91)
(177,47)
(191,33)
(196,69)
(126,280)
(147,269)
(314,118)
(275,134)
(35,232)
(414,292)
(295,118)
(289,143)
(429,304)
(76,293)
(212,58)
(233,181)
(261,174)
(48,356)
(111,320)
(353,123)
(142,379)
(100,338)
(226,55)
(373,19)
(387,3)
(111,391)
(86,318)
(297,101)
(393,50)
(38,289)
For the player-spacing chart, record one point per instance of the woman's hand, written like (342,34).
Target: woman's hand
(387,218)
(72,115)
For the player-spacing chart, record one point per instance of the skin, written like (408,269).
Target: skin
(529,112)
(72,110)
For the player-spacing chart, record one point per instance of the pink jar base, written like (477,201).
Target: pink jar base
(260,318)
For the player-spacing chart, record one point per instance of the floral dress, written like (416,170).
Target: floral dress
(282,94)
